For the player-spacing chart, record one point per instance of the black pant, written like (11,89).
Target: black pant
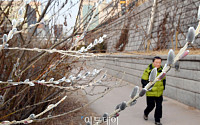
(151,101)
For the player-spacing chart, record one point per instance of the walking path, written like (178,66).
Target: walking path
(174,113)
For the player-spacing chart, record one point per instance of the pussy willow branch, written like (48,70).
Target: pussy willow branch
(77,109)
(29,119)
(49,84)
(29,106)
(44,53)
(53,51)
(150,84)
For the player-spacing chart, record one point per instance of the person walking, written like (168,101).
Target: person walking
(154,97)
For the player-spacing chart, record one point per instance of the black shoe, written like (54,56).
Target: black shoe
(145,117)
(158,123)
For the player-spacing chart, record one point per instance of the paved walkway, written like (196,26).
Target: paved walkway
(174,113)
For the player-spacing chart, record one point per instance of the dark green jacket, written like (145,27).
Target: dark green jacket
(159,86)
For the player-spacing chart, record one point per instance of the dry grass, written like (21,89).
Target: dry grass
(72,102)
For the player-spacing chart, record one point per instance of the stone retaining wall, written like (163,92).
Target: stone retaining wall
(182,85)
(170,16)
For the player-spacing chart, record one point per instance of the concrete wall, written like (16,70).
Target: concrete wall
(170,16)
(182,85)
